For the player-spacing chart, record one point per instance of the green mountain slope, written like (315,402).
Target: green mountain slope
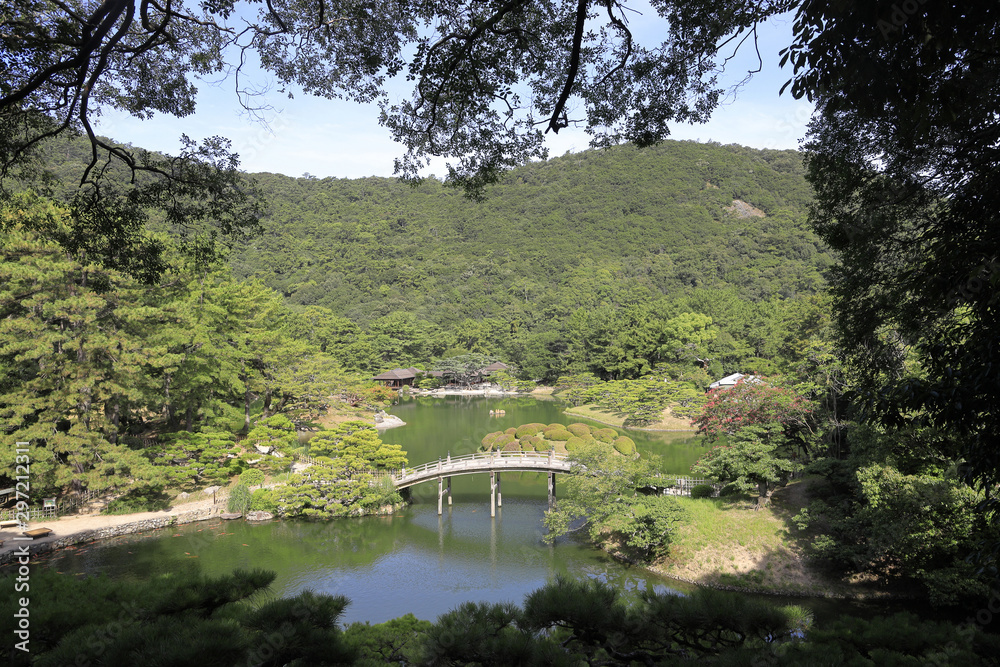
(613,262)
(612,227)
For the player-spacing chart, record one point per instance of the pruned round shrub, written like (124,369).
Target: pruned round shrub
(607,435)
(556,425)
(578,429)
(512,446)
(489,440)
(528,429)
(625,445)
(511,431)
(540,445)
(500,444)
(530,442)
(575,443)
(702,491)
(558,434)
(252,477)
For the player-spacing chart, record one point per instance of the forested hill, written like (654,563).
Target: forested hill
(607,227)
(615,262)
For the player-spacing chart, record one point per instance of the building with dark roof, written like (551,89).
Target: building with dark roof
(397,377)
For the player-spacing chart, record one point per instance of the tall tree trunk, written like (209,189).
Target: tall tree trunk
(764,492)
(167,411)
(246,411)
(115,418)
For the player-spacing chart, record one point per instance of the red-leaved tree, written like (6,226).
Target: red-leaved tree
(756,402)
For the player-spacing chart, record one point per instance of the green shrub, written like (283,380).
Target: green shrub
(702,491)
(263,500)
(578,429)
(575,443)
(148,499)
(511,431)
(512,446)
(607,435)
(555,425)
(252,477)
(561,435)
(625,445)
(537,442)
(239,499)
(731,490)
(501,443)
(529,429)
(489,440)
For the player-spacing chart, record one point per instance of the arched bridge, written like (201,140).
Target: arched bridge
(490,462)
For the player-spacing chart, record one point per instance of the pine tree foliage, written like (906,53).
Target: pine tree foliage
(90,358)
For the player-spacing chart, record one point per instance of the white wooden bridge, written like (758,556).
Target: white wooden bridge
(489,462)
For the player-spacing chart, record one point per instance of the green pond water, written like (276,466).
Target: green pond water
(415,561)
(438,426)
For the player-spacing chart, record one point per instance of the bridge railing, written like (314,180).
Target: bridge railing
(451,463)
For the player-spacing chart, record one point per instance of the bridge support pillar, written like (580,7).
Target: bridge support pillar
(493,493)
(449,491)
(499,492)
(552,489)
(440,494)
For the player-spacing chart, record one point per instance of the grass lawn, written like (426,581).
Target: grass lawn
(727,543)
(668,422)
(340,412)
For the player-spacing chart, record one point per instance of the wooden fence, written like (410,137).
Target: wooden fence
(34,514)
(68,503)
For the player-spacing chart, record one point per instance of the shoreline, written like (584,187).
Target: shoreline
(495,393)
(827,594)
(72,530)
(569,411)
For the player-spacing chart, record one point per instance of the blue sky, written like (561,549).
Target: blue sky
(344,140)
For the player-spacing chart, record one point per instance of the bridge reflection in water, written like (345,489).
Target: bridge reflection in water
(489,462)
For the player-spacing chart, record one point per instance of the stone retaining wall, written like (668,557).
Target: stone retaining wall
(114,531)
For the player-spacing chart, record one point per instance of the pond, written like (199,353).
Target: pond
(414,561)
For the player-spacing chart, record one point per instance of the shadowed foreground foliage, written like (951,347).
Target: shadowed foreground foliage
(228,621)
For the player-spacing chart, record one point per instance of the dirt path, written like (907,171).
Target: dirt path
(78,524)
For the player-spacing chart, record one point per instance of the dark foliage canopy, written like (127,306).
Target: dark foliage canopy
(903,155)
